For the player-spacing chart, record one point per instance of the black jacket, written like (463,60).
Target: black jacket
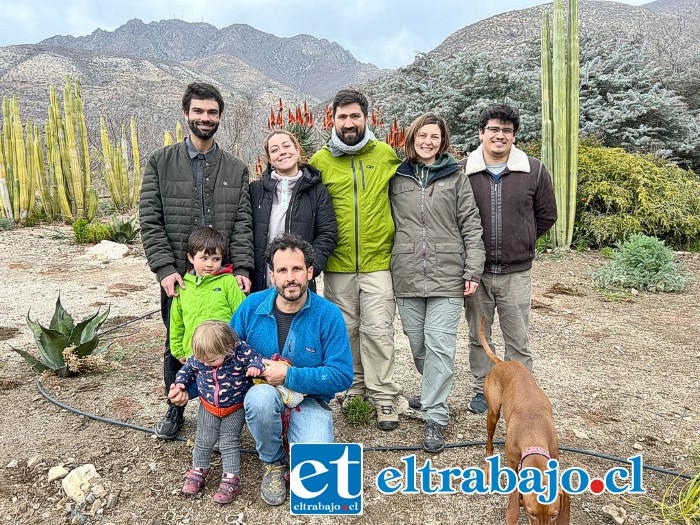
(310,215)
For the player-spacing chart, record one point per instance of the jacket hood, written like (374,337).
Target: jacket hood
(225,270)
(517,161)
(443,165)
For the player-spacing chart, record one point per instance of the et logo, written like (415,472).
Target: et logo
(325,478)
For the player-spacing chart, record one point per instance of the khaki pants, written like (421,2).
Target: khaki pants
(367,303)
(510,294)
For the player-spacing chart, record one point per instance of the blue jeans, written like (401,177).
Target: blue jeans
(313,423)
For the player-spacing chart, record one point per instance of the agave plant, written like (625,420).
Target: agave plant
(124,232)
(62,334)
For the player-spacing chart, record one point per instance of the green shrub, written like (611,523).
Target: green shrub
(358,411)
(643,263)
(620,194)
(6,224)
(86,232)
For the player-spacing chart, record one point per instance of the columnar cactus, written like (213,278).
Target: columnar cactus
(560,114)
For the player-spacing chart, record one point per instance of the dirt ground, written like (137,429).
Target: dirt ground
(622,374)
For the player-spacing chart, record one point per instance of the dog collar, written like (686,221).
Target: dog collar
(533,450)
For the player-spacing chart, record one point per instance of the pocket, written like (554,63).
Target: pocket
(402,187)
(402,259)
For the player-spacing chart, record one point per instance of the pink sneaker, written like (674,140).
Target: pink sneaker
(229,488)
(194,481)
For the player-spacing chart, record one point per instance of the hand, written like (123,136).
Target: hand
(178,395)
(275,372)
(168,283)
(243,283)
(470,287)
(183,360)
(253,372)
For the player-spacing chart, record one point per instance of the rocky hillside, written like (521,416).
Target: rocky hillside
(306,64)
(516,32)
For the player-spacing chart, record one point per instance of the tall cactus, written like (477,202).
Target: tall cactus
(116,159)
(560,113)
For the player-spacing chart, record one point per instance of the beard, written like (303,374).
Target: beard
(358,133)
(292,295)
(204,135)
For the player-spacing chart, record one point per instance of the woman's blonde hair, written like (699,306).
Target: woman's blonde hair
(213,339)
(424,120)
(292,137)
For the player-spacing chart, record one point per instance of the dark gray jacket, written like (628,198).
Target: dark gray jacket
(170,209)
(437,244)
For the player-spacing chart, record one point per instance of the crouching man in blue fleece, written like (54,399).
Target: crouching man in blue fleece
(310,332)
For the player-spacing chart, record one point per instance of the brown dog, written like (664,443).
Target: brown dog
(531,438)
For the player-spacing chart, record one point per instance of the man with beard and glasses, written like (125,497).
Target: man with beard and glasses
(187,185)
(311,334)
(356,168)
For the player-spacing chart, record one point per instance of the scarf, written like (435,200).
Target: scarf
(339,148)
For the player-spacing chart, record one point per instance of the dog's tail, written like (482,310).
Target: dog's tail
(493,357)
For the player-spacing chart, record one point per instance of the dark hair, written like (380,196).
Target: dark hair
(206,239)
(292,137)
(201,91)
(424,120)
(500,112)
(350,96)
(289,241)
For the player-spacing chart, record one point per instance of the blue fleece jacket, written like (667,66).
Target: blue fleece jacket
(317,343)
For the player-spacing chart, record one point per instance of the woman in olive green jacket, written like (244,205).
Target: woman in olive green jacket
(437,259)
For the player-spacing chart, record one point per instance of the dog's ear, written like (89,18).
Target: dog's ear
(513,509)
(564,517)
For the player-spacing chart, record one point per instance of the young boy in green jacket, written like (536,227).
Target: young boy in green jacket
(210,293)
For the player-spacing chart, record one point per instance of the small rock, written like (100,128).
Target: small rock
(687,418)
(57,472)
(618,514)
(634,291)
(33,461)
(76,484)
(581,434)
(667,441)
(90,498)
(106,251)
(99,491)
(152,467)
(112,500)
(637,446)
(95,506)
(12,464)
(460,436)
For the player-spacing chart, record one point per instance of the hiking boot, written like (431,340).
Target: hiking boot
(387,418)
(171,424)
(273,489)
(434,442)
(229,488)
(348,399)
(414,403)
(194,481)
(478,404)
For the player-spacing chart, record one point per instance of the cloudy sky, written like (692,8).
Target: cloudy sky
(387,33)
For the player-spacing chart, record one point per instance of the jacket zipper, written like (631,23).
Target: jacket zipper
(495,218)
(357,214)
(216,387)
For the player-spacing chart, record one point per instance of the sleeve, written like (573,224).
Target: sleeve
(248,356)
(335,372)
(545,203)
(241,242)
(187,374)
(177,328)
(234,294)
(325,229)
(238,322)
(152,221)
(469,223)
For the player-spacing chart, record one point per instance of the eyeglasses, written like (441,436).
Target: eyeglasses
(495,130)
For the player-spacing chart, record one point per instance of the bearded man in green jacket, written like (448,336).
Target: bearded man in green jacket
(186,185)
(356,168)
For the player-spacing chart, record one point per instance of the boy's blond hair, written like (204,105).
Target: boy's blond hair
(213,339)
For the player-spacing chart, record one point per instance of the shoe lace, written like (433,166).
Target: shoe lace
(387,410)
(275,473)
(433,431)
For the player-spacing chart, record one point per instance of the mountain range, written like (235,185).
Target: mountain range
(141,69)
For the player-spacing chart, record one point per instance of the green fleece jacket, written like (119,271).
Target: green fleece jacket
(359,188)
(207,298)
